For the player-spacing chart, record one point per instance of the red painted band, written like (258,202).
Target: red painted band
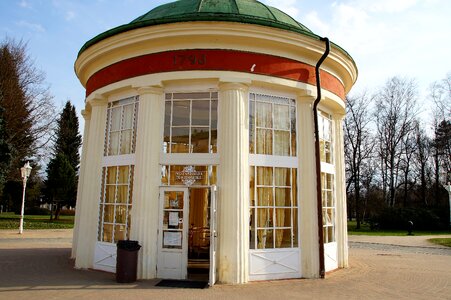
(212,60)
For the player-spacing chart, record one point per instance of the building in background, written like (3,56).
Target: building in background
(199,144)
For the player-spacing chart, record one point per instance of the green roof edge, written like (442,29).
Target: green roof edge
(195,17)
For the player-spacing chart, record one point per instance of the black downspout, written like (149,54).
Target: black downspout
(318,160)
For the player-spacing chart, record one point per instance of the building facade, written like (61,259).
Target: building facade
(199,143)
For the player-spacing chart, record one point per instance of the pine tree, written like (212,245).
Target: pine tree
(61,183)
(68,139)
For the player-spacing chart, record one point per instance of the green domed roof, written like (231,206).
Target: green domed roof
(242,11)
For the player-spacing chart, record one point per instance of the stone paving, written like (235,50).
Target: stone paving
(36,265)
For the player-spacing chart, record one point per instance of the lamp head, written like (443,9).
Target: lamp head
(26,170)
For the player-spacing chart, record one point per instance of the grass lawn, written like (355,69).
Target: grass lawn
(366,230)
(11,221)
(440,241)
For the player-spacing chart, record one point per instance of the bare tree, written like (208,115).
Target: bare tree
(358,146)
(395,114)
(422,160)
(441,95)
(29,111)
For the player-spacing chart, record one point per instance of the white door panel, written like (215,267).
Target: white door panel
(105,257)
(274,264)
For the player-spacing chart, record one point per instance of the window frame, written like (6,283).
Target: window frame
(122,103)
(289,162)
(169,97)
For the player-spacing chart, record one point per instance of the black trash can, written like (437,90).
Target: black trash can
(127,261)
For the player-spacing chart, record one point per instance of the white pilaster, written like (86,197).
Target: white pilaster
(341,228)
(233,183)
(307,188)
(147,180)
(78,207)
(91,181)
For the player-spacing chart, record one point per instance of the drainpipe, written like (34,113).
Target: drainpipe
(319,201)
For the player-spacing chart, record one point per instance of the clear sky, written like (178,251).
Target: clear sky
(410,38)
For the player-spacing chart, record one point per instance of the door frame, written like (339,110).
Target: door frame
(212,278)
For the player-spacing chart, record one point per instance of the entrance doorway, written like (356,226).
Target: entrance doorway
(199,234)
(187,234)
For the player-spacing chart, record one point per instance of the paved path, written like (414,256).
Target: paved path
(36,266)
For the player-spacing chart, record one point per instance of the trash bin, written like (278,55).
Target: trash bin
(126,261)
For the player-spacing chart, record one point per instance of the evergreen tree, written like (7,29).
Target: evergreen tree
(61,183)
(68,139)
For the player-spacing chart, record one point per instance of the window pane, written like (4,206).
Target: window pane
(252,185)
(200,139)
(214,141)
(130,185)
(330,234)
(294,187)
(214,114)
(126,141)
(295,227)
(110,193)
(121,214)
(107,233)
(283,197)
(264,141)
(264,115)
(123,174)
(264,176)
(173,200)
(128,116)
(165,175)
(166,139)
(283,217)
(265,217)
(265,239)
(180,140)
(167,113)
(282,176)
(181,113)
(282,117)
(265,197)
(122,194)
(200,113)
(116,119)
(119,233)
(114,143)
(293,131)
(282,143)
(109,214)
(283,238)
(252,237)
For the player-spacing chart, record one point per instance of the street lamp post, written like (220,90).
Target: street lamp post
(25,172)
(447,185)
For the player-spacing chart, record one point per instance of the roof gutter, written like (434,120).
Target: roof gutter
(319,201)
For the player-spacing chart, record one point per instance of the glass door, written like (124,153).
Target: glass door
(173,233)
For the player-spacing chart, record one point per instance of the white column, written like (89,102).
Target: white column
(149,138)
(233,185)
(87,117)
(90,197)
(307,187)
(341,219)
